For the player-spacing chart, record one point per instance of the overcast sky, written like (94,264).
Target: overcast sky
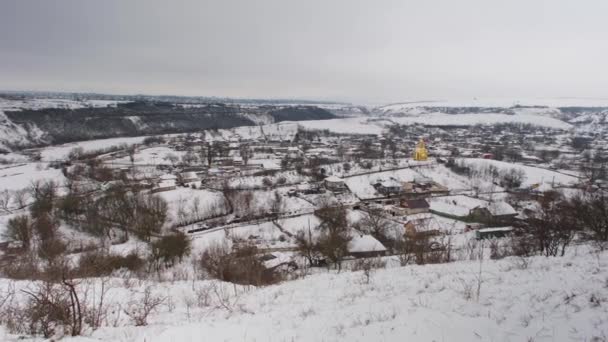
(361,51)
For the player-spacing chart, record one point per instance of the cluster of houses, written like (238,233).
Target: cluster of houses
(413,203)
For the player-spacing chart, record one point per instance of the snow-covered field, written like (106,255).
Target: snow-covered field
(345,126)
(362,185)
(40,103)
(553,299)
(360,125)
(439,119)
(60,152)
(20,176)
(547,179)
(499,103)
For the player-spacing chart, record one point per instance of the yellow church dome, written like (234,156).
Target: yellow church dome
(420,153)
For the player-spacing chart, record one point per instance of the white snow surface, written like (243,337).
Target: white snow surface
(440,119)
(20,176)
(554,299)
(499,103)
(60,152)
(534,175)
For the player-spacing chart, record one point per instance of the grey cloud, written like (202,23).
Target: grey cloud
(353,50)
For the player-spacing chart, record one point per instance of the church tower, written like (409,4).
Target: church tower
(420,153)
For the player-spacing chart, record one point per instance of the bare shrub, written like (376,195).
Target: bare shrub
(96,312)
(51,249)
(553,226)
(223,298)
(306,246)
(467,289)
(6,198)
(368,265)
(592,213)
(203,295)
(470,249)
(499,250)
(168,249)
(523,246)
(19,228)
(241,266)
(24,266)
(421,249)
(139,310)
(97,263)
(52,308)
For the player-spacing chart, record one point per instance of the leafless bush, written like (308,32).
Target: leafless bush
(368,265)
(467,289)
(241,266)
(6,304)
(6,198)
(223,298)
(96,312)
(499,250)
(6,296)
(203,295)
(166,250)
(52,308)
(521,262)
(98,263)
(139,310)
(471,249)
(19,228)
(23,266)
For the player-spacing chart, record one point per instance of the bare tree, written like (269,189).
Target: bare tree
(306,246)
(334,239)
(21,197)
(245,153)
(5,201)
(19,228)
(375,223)
(552,226)
(592,214)
(276,205)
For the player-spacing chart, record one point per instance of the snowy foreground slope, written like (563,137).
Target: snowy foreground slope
(553,299)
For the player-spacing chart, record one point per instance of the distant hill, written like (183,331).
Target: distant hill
(56,122)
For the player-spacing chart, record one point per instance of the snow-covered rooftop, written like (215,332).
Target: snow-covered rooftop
(334,179)
(365,243)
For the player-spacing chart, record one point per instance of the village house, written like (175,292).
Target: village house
(388,187)
(494,212)
(294,152)
(423,187)
(335,184)
(188,177)
(468,208)
(490,233)
(421,225)
(365,246)
(414,206)
(237,161)
(166,182)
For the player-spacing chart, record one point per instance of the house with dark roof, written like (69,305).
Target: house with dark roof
(414,206)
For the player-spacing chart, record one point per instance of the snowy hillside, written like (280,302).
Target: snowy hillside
(40,103)
(553,299)
(547,103)
(584,114)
